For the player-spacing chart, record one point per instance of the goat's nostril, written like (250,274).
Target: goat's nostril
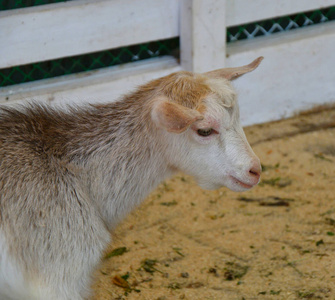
(255,171)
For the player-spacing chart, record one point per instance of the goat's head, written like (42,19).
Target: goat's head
(200,115)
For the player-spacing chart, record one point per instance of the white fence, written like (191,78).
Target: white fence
(297,72)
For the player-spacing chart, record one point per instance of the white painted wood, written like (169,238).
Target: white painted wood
(103,85)
(246,11)
(76,27)
(202,35)
(295,75)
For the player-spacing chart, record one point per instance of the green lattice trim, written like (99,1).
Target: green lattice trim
(13,4)
(286,23)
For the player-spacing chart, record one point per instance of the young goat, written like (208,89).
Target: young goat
(68,177)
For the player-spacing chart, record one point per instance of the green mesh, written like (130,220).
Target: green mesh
(269,27)
(12,4)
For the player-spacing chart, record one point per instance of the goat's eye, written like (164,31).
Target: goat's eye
(205,132)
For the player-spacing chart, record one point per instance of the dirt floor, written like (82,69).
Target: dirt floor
(276,241)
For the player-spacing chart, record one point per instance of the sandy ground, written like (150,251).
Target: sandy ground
(276,241)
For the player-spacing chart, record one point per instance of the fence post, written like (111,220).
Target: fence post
(202,34)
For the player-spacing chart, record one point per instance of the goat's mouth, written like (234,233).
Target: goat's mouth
(242,184)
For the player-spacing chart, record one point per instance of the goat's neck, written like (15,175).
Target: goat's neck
(125,160)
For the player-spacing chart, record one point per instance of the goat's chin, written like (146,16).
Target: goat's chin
(235,186)
(210,186)
(239,189)
(239,186)
(231,183)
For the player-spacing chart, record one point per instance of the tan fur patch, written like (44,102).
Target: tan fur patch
(186,89)
(183,88)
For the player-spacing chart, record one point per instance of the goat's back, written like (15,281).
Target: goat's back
(47,219)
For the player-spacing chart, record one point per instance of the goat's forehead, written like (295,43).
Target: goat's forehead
(221,104)
(213,107)
(195,90)
(185,88)
(223,91)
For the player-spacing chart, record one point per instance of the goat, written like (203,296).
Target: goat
(67,178)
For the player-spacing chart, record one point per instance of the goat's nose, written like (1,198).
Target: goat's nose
(256,170)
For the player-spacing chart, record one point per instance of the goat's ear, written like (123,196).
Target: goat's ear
(174,117)
(233,73)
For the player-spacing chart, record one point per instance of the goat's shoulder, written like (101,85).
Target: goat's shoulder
(25,158)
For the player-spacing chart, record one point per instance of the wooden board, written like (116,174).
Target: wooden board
(76,27)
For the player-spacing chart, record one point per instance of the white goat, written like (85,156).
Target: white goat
(68,178)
